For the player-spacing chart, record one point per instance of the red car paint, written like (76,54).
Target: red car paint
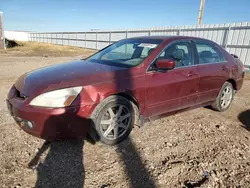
(156,93)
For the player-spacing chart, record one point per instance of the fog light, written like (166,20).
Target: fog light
(29,124)
(24,123)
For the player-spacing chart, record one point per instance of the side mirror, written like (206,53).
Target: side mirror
(167,64)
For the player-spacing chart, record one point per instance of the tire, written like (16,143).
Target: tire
(109,122)
(220,104)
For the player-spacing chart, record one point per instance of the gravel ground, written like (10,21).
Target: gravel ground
(200,147)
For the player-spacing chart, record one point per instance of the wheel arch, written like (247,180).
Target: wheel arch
(232,81)
(129,97)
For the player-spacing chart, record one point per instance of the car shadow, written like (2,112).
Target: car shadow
(134,167)
(244,118)
(63,164)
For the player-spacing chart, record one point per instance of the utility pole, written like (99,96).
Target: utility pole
(2,40)
(201,11)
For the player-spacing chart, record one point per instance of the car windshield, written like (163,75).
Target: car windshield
(128,52)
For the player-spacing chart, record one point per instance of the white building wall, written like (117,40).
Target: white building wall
(17,35)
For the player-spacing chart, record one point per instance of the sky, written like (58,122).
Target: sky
(84,15)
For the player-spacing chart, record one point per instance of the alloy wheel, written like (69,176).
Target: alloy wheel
(115,122)
(226,97)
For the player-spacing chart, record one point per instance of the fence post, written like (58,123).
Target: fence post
(225,38)
(126,47)
(149,33)
(85,40)
(96,40)
(67,39)
(178,32)
(109,37)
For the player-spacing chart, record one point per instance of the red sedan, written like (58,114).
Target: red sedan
(123,85)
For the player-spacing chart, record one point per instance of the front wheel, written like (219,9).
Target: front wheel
(224,98)
(114,118)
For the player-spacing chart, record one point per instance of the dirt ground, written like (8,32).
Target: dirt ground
(176,151)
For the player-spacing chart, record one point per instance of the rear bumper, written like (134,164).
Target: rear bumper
(51,123)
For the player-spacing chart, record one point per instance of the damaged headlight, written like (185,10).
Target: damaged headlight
(57,98)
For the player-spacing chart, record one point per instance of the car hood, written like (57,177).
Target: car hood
(76,73)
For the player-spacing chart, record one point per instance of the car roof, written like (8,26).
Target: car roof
(168,37)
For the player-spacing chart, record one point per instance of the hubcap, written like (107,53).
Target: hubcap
(226,97)
(115,122)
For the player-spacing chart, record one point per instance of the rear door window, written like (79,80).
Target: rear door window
(208,53)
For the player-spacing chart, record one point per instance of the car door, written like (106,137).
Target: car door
(174,89)
(212,69)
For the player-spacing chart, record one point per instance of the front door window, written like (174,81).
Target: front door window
(180,52)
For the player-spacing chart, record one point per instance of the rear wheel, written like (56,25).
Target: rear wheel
(224,98)
(114,118)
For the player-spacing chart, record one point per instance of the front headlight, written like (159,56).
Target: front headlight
(57,98)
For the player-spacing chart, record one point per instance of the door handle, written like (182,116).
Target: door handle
(192,74)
